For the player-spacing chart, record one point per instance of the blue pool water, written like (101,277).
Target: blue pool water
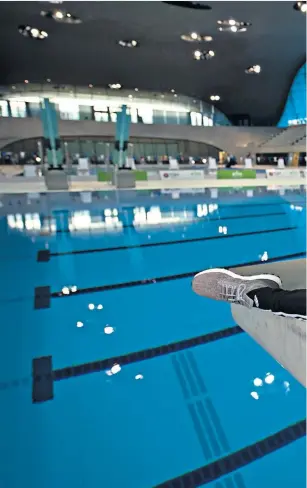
(113,373)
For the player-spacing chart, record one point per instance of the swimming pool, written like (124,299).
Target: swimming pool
(113,373)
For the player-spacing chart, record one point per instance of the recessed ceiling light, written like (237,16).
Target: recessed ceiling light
(13,87)
(215,98)
(136,89)
(172,90)
(48,80)
(175,95)
(32,32)
(203,55)
(26,81)
(128,43)
(130,96)
(253,70)
(194,37)
(300,6)
(90,85)
(61,16)
(115,86)
(232,25)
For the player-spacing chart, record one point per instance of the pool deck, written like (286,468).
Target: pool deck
(11,185)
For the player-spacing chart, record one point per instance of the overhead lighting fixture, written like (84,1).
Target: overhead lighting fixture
(13,87)
(32,32)
(130,96)
(115,86)
(232,25)
(61,16)
(172,90)
(90,85)
(128,43)
(136,89)
(48,80)
(194,37)
(203,55)
(215,98)
(253,70)
(26,81)
(300,6)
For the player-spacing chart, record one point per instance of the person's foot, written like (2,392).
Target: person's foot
(224,285)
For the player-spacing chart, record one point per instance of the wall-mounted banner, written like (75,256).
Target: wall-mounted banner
(286,173)
(236,174)
(197,174)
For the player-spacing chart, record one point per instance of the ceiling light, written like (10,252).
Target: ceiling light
(32,32)
(175,95)
(48,80)
(58,14)
(130,96)
(198,55)
(90,85)
(26,81)
(172,90)
(128,43)
(253,70)
(194,37)
(215,98)
(13,87)
(301,7)
(136,89)
(61,16)
(233,25)
(115,86)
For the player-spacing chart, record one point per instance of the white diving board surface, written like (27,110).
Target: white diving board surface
(283,338)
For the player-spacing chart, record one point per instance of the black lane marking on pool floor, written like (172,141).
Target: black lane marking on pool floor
(161,279)
(159,244)
(238,459)
(42,390)
(42,295)
(43,376)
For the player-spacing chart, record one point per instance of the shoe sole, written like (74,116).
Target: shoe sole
(274,278)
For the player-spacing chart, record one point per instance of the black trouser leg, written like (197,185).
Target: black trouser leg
(277,300)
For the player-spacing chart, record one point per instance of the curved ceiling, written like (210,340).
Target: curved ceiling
(88,53)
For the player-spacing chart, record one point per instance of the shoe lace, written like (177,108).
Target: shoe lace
(235,294)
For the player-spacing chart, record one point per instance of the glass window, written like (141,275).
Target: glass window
(196,118)
(18,109)
(147,115)
(101,116)
(4,110)
(134,115)
(69,110)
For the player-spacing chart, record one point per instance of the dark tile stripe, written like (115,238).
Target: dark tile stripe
(200,432)
(171,243)
(188,374)
(208,428)
(239,480)
(210,472)
(161,279)
(194,367)
(217,424)
(180,377)
(42,297)
(96,366)
(42,386)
